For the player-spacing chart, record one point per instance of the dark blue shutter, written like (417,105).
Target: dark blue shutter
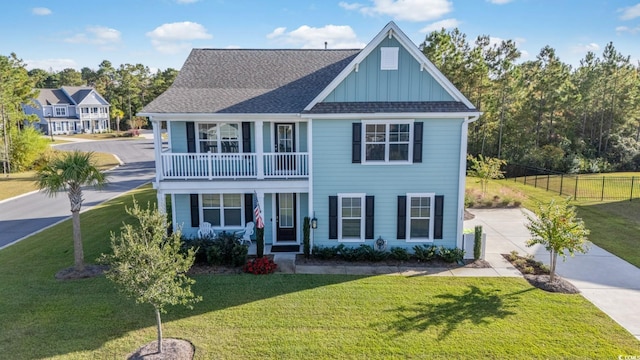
(248,208)
(417,142)
(333,217)
(356,143)
(195,211)
(368,219)
(246,137)
(402,217)
(438,217)
(191,137)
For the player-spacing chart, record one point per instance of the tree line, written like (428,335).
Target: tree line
(543,112)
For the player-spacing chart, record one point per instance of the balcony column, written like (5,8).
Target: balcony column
(157,144)
(259,149)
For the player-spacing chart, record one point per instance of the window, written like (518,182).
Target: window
(219,138)
(60,110)
(350,217)
(222,210)
(388,142)
(420,208)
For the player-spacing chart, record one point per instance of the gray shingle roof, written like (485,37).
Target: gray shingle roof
(53,97)
(250,81)
(78,93)
(389,107)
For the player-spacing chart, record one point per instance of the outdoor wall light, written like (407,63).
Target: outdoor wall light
(314,223)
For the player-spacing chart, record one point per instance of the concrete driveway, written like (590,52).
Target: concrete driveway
(610,283)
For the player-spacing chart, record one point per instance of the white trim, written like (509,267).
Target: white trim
(362,197)
(432,205)
(221,116)
(462,174)
(311,212)
(411,115)
(387,143)
(391,29)
(232,186)
(218,135)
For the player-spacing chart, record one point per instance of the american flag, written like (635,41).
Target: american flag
(256,211)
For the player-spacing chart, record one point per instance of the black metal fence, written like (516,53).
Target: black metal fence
(584,186)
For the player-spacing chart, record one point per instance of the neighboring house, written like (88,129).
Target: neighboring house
(70,110)
(372,143)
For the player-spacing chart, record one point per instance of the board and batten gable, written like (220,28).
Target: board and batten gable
(335,173)
(407,83)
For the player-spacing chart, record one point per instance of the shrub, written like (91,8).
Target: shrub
(27,145)
(368,253)
(451,255)
(400,254)
(260,266)
(306,237)
(324,252)
(528,270)
(425,252)
(513,255)
(223,250)
(348,253)
(200,246)
(477,242)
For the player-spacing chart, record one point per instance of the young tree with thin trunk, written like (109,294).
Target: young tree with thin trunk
(559,230)
(70,172)
(149,266)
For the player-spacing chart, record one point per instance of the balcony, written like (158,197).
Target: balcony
(213,166)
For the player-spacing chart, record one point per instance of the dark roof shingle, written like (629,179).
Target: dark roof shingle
(250,81)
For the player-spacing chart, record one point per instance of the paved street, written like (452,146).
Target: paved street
(20,217)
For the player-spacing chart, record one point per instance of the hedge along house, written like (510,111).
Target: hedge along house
(370,142)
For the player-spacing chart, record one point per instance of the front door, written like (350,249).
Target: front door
(285,217)
(285,144)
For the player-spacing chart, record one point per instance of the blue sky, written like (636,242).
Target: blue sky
(54,35)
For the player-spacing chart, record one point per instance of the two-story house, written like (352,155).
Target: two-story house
(370,142)
(71,110)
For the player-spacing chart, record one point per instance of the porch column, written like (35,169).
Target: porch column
(162,203)
(259,153)
(157,145)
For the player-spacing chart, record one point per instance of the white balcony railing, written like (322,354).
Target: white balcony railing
(234,166)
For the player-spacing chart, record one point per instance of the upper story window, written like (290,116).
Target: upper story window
(60,110)
(219,137)
(85,110)
(388,141)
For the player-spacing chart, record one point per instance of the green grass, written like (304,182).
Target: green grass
(609,186)
(614,225)
(288,316)
(23,182)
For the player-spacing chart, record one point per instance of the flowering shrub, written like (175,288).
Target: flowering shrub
(259,266)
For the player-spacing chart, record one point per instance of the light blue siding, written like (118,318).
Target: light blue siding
(407,83)
(182,206)
(302,137)
(334,173)
(178,136)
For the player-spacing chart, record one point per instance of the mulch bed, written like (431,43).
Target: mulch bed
(172,349)
(88,272)
(539,277)
(300,259)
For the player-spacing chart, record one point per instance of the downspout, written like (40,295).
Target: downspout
(462,176)
(310,191)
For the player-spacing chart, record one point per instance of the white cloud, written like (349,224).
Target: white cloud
(306,37)
(171,38)
(348,6)
(233,47)
(583,48)
(409,10)
(276,32)
(438,25)
(186,1)
(630,12)
(626,29)
(499,2)
(42,11)
(102,36)
(51,64)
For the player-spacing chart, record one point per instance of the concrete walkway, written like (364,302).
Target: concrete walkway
(610,283)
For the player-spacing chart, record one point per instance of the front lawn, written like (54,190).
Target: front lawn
(288,316)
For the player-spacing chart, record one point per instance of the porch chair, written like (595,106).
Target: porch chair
(246,234)
(206,231)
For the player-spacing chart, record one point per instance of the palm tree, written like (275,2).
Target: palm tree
(118,114)
(70,172)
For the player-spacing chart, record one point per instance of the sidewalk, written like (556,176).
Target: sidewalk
(610,283)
